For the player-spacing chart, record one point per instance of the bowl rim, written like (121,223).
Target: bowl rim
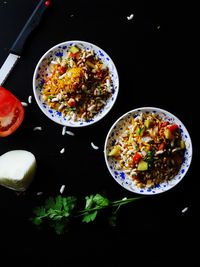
(160,110)
(96,118)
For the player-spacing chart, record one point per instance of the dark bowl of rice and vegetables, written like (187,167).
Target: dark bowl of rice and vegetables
(148,150)
(75,83)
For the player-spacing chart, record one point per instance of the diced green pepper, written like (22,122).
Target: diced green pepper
(73,49)
(115,151)
(142,166)
(139,131)
(168,134)
(182,144)
(90,64)
(148,123)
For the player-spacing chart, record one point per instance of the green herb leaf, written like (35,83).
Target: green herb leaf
(37,221)
(57,212)
(89,201)
(89,217)
(100,200)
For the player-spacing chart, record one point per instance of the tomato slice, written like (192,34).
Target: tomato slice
(173,127)
(11,112)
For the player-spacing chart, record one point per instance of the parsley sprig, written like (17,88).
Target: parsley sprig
(59,211)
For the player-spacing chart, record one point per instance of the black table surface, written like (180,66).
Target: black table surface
(152,55)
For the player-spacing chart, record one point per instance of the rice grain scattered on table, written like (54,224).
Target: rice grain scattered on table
(184,210)
(39,193)
(30,99)
(130,17)
(94,146)
(62,188)
(37,128)
(62,150)
(24,104)
(70,133)
(63,130)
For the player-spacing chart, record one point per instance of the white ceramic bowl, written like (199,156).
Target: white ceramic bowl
(42,72)
(121,175)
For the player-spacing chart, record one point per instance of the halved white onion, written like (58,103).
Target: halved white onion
(17,169)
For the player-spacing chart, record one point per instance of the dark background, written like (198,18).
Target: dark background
(153,53)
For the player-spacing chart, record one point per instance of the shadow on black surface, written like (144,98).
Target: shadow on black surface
(146,233)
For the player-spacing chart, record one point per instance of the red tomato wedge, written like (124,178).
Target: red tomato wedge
(11,112)
(173,127)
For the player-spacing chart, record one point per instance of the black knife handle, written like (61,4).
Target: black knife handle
(30,25)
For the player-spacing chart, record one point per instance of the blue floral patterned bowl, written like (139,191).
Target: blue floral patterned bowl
(117,164)
(42,72)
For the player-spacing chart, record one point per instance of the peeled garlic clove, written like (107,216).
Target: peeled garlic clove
(17,169)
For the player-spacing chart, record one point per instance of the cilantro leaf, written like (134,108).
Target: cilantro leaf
(89,216)
(92,206)
(54,211)
(37,220)
(89,201)
(100,200)
(57,212)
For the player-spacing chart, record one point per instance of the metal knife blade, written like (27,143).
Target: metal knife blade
(17,47)
(7,66)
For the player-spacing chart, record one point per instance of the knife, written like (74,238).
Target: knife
(17,47)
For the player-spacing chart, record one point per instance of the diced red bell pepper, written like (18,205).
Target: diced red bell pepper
(62,69)
(71,102)
(137,157)
(161,146)
(173,127)
(73,55)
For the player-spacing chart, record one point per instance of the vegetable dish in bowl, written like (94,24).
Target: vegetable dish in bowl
(75,83)
(148,150)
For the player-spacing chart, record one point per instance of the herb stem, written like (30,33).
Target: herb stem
(57,211)
(111,204)
(116,202)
